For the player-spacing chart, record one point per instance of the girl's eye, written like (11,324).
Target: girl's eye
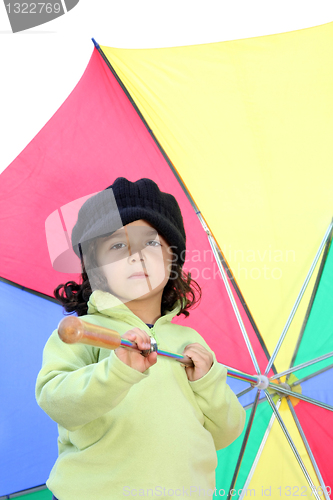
(154,243)
(117,246)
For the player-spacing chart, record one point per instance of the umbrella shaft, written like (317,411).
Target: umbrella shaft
(185,360)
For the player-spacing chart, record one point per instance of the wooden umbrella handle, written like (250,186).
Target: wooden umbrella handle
(73,329)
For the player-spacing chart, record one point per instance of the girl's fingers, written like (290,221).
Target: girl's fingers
(194,354)
(196,349)
(201,357)
(152,358)
(140,337)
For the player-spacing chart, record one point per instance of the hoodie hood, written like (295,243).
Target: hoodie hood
(109,305)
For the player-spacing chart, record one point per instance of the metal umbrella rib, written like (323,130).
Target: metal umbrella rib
(280,389)
(259,452)
(292,445)
(308,377)
(308,449)
(298,300)
(245,391)
(313,295)
(244,443)
(302,365)
(262,400)
(231,297)
(244,304)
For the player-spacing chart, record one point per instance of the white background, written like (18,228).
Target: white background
(40,67)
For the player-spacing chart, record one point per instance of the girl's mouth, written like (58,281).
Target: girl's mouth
(138,276)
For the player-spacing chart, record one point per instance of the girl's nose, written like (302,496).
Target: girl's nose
(138,256)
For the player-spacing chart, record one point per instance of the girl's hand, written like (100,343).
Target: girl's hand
(134,358)
(202,360)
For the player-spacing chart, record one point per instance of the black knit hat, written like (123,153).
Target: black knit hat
(104,213)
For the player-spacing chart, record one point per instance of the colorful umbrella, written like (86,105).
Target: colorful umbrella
(239,132)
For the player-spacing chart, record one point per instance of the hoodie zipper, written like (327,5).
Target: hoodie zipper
(141,324)
(152,331)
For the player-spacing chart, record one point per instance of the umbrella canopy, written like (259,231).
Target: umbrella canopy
(239,133)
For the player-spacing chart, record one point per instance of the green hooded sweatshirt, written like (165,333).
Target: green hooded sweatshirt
(123,433)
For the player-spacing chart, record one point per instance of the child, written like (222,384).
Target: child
(131,425)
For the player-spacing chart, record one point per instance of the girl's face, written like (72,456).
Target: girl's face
(136,261)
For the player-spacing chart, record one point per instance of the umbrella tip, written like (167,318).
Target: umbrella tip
(95,43)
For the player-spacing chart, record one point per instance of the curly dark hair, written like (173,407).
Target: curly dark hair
(75,296)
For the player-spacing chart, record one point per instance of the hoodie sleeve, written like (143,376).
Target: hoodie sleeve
(74,389)
(224,416)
